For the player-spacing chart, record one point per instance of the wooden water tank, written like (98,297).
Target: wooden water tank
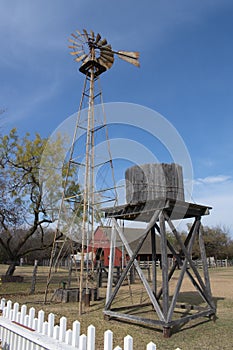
(154,181)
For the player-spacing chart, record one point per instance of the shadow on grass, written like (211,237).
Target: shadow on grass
(187,302)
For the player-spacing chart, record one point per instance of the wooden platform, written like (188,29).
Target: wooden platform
(143,211)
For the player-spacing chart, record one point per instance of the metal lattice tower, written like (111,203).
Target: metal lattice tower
(96,56)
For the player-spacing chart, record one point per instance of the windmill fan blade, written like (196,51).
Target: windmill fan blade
(92,34)
(79,33)
(73,42)
(75,36)
(72,47)
(102,42)
(81,37)
(81,58)
(107,48)
(104,63)
(86,34)
(130,57)
(97,39)
(107,52)
(107,57)
(76,52)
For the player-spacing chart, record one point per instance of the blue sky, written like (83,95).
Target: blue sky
(186,74)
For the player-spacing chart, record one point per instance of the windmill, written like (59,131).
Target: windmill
(96,56)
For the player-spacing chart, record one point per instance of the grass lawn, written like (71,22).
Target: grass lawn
(198,334)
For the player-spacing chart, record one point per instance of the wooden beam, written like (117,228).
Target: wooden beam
(152,322)
(133,318)
(154,275)
(163,243)
(111,263)
(173,267)
(185,319)
(205,266)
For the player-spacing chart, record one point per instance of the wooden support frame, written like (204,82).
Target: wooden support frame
(164,304)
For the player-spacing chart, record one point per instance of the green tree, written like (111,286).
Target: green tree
(217,241)
(26,204)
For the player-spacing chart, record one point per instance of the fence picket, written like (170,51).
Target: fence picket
(18,316)
(26,320)
(51,319)
(108,340)
(31,317)
(11,314)
(15,311)
(68,338)
(2,303)
(91,337)
(40,321)
(56,331)
(62,334)
(45,328)
(35,323)
(128,343)
(23,313)
(76,334)
(8,308)
(151,346)
(83,342)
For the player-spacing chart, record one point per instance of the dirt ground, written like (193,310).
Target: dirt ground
(222,283)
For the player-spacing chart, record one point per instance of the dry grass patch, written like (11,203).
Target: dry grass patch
(196,335)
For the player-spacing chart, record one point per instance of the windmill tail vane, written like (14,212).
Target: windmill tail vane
(130,57)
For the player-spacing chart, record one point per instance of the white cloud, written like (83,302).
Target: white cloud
(217,192)
(212,179)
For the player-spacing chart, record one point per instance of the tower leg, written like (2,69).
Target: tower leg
(111,263)
(166,332)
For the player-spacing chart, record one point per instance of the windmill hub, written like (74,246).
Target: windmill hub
(87,66)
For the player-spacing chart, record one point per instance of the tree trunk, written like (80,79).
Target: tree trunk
(11,269)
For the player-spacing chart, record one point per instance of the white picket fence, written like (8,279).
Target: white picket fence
(22,330)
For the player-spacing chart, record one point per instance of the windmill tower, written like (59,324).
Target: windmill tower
(96,56)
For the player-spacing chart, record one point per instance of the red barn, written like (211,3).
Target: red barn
(101,244)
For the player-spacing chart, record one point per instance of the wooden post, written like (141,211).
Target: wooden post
(70,272)
(205,265)
(99,274)
(132,274)
(33,284)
